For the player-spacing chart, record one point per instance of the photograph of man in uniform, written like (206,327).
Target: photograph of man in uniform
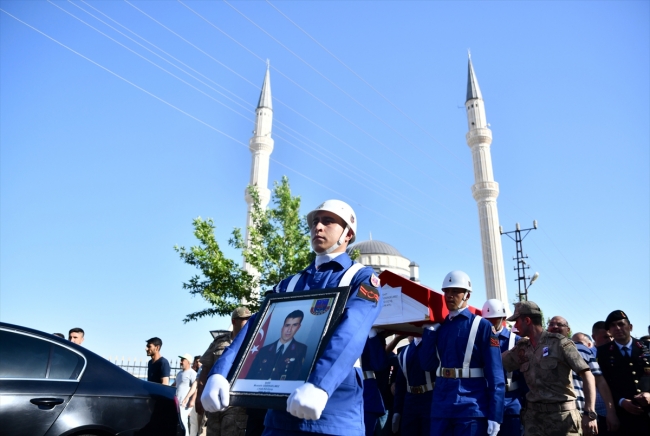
(282,359)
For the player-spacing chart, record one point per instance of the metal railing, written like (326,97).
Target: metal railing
(138,367)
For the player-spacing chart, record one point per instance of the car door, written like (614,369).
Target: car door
(37,379)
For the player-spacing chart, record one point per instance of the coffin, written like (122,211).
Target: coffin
(408,305)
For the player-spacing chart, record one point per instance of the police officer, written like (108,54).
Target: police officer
(625,363)
(546,360)
(331,401)
(495,311)
(464,351)
(413,392)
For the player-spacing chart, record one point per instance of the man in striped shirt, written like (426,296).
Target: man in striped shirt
(557,324)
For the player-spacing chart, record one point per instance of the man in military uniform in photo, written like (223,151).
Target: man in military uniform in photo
(625,364)
(331,400)
(283,359)
(231,421)
(546,360)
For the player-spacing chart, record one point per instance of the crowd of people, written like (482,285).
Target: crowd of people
(469,375)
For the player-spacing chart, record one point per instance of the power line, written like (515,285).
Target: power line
(374,211)
(381,120)
(384,168)
(364,81)
(302,88)
(244,101)
(240,141)
(226,106)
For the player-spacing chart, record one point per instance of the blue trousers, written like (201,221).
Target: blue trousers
(274,432)
(459,426)
(413,424)
(511,426)
(371,421)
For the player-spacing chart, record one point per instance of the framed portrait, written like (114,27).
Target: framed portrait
(282,346)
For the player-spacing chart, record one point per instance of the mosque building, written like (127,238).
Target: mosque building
(380,255)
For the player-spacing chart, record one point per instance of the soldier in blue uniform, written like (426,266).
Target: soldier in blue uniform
(373,359)
(464,351)
(413,393)
(495,311)
(331,401)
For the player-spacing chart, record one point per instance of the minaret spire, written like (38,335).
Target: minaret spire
(265,95)
(260,146)
(485,190)
(473,91)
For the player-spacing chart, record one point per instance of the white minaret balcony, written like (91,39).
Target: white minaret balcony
(479,136)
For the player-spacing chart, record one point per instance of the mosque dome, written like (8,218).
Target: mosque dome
(382,256)
(375,247)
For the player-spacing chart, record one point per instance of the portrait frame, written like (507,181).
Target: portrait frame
(258,381)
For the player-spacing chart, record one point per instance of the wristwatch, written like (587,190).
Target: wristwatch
(591,415)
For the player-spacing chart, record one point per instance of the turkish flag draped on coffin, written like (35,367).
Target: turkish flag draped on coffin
(408,305)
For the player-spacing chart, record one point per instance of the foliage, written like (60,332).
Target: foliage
(279,247)
(279,237)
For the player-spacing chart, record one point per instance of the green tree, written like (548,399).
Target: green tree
(279,247)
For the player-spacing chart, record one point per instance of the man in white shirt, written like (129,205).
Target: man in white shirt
(183,382)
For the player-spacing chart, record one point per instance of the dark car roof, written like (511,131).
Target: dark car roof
(101,376)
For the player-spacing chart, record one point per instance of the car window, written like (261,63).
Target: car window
(65,365)
(23,356)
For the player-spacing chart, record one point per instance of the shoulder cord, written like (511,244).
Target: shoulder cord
(345,280)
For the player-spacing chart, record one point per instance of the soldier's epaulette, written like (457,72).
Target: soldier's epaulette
(645,352)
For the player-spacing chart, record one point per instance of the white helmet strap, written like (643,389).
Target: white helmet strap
(339,242)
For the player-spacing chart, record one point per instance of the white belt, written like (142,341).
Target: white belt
(459,372)
(414,389)
(368,374)
(465,371)
(357,363)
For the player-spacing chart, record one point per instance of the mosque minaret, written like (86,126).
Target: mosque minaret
(485,190)
(261,146)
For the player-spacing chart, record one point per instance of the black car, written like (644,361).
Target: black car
(52,387)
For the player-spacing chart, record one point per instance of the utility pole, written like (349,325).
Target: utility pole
(521,265)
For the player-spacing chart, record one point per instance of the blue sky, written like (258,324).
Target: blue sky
(105,157)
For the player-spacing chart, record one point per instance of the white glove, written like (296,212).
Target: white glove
(307,402)
(432,327)
(395,424)
(216,395)
(493,428)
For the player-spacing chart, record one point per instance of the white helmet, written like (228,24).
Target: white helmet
(344,211)
(457,279)
(493,308)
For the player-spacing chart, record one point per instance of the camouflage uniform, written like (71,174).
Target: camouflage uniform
(551,406)
(232,421)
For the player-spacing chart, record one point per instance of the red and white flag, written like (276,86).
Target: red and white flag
(257,344)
